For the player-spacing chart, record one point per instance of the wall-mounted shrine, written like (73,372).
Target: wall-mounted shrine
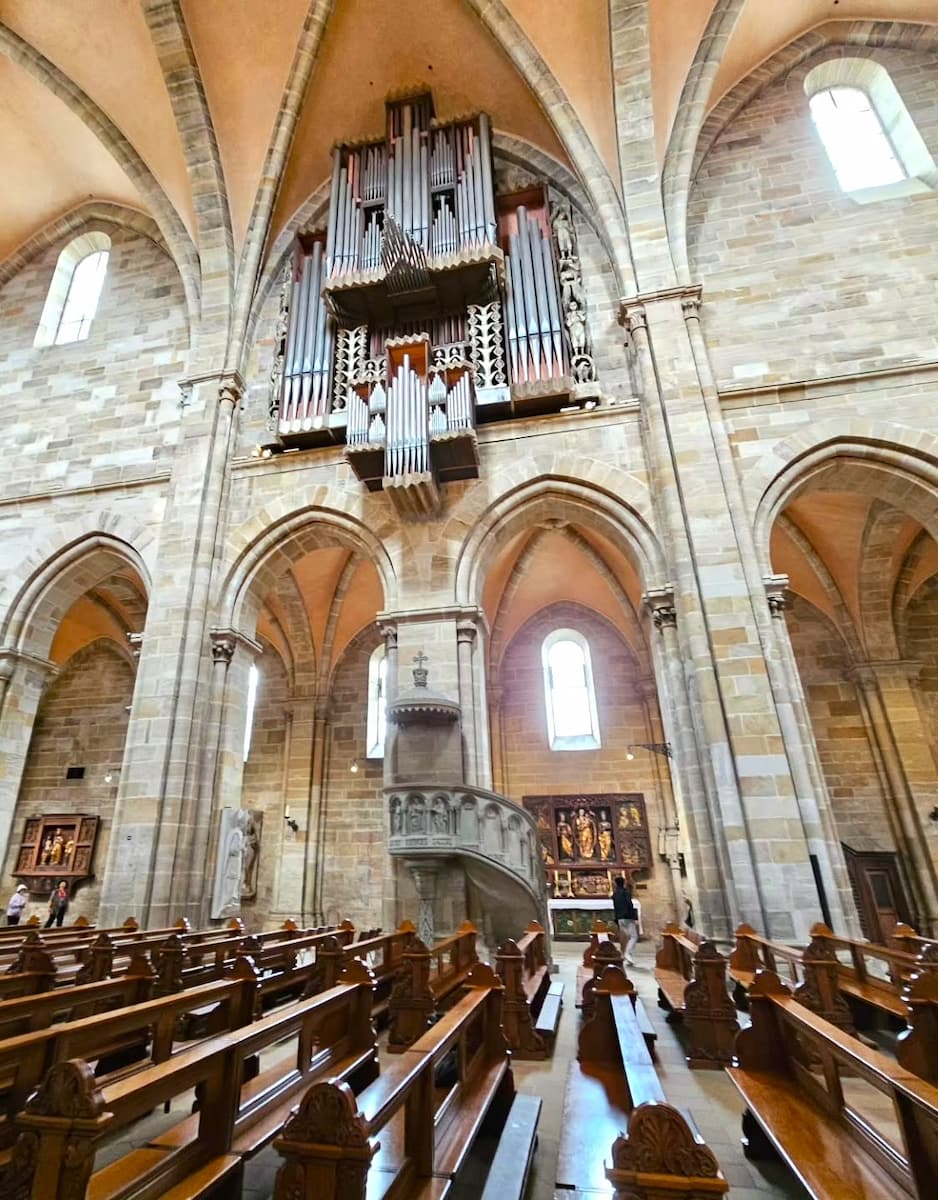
(428,304)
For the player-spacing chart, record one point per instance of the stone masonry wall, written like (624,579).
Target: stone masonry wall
(921,645)
(82,721)
(799,279)
(107,408)
(357,870)
(533,769)
(856,794)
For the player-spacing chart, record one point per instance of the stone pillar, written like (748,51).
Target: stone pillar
(816,816)
(316,816)
(705,850)
(157,867)
(496,735)
(465,643)
(901,744)
(668,823)
(23,682)
(720,625)
(424,875)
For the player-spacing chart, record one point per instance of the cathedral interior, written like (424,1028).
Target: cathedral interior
(458,452)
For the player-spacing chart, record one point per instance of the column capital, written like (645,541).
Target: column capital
(230,386)
(136,641)
(226,641)
(11,658)
(868,674)
(777,594)
(659,604)
(388,630)
(466,631)
(424,875)
(633,309)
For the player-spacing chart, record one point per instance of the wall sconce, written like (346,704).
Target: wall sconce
(662,748)
(289,820)
(354,767)
(933,815)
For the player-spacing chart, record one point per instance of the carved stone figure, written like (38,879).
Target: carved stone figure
(605,839)
(563,231)
(576,328)
(397,817)
(571,286)
(230,867)
(439,817)
(252,838)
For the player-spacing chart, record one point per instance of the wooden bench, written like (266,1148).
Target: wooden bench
(522,968)
(410,1131)
(692,987)
(797,1072)
(66,1120)
(603,954)
(548,1019)
(426,979)
(873,978)
(613,1086)
(508,1175)
(134,1034)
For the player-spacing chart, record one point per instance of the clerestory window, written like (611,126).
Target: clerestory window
(377,703)
(869,137)
(570,698)
(253,679)
(73,296)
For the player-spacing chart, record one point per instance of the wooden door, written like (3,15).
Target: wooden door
(879,892)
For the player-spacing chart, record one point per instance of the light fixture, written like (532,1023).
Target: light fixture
(292,823)
(662,748)
(354,767)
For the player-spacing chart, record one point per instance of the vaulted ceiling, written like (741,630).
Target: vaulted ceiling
(94,102)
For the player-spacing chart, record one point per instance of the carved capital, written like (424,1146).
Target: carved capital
(424,876)
(690,307)
(776,594)
(466,632)
(230,392)
(223,649)
(226,641)
(633,317)
(664,616)
(136,641)
(389,633)
(659,603)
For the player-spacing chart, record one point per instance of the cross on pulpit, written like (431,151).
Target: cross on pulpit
(420,671)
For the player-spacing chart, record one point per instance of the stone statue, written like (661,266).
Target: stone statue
(439,817)
(571,287)
(576,328)
(226,900)
(397,817)
(251,854)
(563,231)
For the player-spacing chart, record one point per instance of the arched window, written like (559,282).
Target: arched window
(253,677)
(377,703)
(568,692)
(75,290)
(872,143)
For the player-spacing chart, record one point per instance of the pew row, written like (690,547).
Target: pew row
(613,1087)
(427,978)
(67,1119)
(410,1131)
(692,988)
(596,958)
(532,1004)
(874,1125)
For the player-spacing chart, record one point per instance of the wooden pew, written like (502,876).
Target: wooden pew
(612,1086)
(37,973)
(66,1120)
(906,939)
(523,969)
(427,977)
(410,1131)
(917,1046)
(797,1072)
(114,1040)
(753,953)
(870,990)
(691,977)
(67,1004)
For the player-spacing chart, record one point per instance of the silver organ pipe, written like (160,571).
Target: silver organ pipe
(358,418)
(488,186)
(459,404)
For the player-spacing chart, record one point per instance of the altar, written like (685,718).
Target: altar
(574,919)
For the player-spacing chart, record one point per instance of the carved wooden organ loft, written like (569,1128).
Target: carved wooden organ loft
(428,305)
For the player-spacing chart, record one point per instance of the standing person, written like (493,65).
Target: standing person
(626,917)
(17,905)
(58,905)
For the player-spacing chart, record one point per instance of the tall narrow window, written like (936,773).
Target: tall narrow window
(856,143)
(74,292)
(870,138)
(568,691)
(252,706)
(377,703)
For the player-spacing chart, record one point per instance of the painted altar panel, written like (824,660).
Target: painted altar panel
(54,848)
(586,840)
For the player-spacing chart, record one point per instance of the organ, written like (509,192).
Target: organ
(429,304)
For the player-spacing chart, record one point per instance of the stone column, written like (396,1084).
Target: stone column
(668,823)
(896,731)
(500,783)
(465,642)
(157,867)
(316,815)
(722,611)
(705,850)
(23,682)
(817,819)
(424,875)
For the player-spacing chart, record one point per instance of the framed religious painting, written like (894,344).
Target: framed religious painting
(56,847)
(586,840)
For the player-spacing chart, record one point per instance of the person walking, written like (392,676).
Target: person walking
(58,905)
(17,904)
(626,918)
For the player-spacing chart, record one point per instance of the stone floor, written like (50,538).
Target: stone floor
(709,1096)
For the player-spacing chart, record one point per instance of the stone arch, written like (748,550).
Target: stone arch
(497,19)
(833,38)
(264,550)
(53,579)
(167,218)
(596,496)
(93,216)
(903,460)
